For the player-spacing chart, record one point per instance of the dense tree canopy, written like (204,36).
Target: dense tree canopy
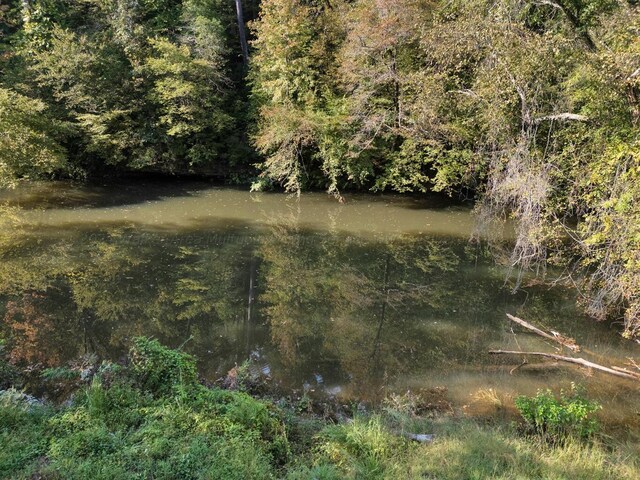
(141,85)
(531,106)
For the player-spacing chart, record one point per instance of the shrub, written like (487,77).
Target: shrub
(556,419)
(159,369)
(154,420)
(23,435)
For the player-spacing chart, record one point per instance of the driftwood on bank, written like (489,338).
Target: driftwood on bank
(577,361)
(570,343)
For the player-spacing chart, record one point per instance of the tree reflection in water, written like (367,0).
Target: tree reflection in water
(331,310)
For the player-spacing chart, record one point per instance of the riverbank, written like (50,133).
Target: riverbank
(150,417)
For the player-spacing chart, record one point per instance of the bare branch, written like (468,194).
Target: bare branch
(549,3)
(620,369)
(466,92)
(578,361)
(570,343)
(562,117)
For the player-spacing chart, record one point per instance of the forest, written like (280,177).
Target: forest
(530,108)
(278,238)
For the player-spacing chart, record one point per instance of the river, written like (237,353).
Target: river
(353,300)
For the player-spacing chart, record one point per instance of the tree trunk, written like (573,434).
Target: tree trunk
(242,33)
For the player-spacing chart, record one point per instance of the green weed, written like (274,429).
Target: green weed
(556,419)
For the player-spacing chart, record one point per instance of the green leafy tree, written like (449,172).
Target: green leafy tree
(146,83)
(29,147)
(293,92)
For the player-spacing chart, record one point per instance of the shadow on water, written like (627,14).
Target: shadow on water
(68,195)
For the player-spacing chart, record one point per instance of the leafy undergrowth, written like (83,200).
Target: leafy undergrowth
(149,420)
(554,419)
(152,419)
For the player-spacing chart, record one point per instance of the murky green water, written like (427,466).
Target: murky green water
(377,294)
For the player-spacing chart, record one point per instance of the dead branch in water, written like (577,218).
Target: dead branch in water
(620,369)
(524,362)
(632,363)
(570,343)
(578,361)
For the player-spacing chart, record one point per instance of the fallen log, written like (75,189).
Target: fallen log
(570,343)
(577,361)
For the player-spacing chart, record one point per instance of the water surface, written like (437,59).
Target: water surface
(358,299)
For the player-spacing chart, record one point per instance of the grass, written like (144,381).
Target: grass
(365,449)
(471,451)
(152,419)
